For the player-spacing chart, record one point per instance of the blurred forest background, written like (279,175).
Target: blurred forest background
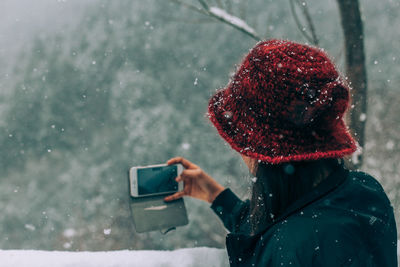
(91,88)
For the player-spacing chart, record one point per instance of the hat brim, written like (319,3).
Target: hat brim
(335,143)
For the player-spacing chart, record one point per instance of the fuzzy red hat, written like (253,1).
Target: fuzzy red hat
(285,103)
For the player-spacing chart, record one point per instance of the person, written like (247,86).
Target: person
(283,112)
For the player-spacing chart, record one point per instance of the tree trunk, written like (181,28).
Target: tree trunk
(356,69)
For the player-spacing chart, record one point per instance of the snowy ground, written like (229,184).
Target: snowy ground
(192,257)
(182,257)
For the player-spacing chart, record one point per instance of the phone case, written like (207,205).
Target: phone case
(153,213)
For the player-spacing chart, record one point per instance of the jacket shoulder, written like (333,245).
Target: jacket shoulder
(352,224)
(366,180)
(365,197)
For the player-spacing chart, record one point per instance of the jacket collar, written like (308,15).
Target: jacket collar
(336,178)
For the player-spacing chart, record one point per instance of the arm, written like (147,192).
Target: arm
(198,184)
(232,211)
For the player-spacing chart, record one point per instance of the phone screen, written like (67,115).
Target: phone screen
(157,180)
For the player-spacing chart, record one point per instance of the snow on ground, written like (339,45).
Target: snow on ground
(193,257)
(182,257)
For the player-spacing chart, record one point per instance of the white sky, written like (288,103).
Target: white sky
(20,20)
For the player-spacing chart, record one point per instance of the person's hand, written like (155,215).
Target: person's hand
(196,183)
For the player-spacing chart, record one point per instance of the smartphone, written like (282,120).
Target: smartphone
(154,180)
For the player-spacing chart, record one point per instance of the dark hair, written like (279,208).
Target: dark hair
(279,185)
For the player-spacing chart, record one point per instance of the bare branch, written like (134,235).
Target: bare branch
(298,23)
(190,6)
(222,16)
(233,21)
(309,20)
(204,4)
(206,20)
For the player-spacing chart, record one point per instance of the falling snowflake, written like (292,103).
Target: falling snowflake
(185,146)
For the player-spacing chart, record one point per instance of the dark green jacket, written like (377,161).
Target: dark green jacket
(346,221)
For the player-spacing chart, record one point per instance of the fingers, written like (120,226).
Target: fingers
(185,163)
(175,196)
(186,177)
(190,177)
(191,173)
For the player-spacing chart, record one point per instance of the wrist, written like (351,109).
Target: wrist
(213,195)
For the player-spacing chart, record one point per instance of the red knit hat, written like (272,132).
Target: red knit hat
(285,103)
